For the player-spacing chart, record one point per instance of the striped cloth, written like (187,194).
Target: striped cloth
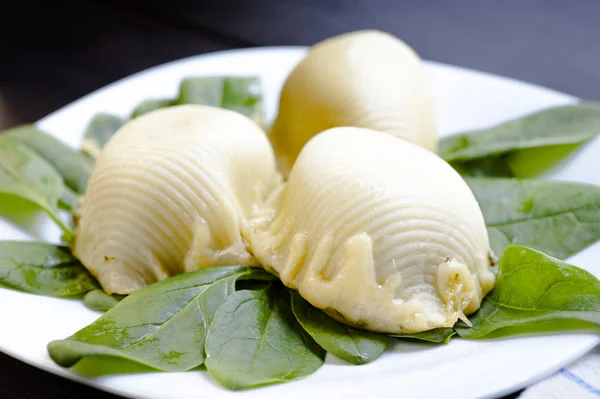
(580,380)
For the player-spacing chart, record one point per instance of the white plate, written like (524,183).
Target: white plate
(465,100)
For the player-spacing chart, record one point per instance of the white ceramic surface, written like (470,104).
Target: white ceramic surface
(465,100)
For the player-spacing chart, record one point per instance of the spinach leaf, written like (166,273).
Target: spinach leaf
(557,218)
(43,269)
(151,105)
(255,340)
(531,162)
(525,146)
(25,175)
(240,94)
(342,341)
(101,301)
(98,132)
(535,293)
(162,326)
(438,335)
(73,166)
(486,167)
(69,200)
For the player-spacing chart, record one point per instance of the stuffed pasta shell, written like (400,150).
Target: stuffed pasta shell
(379,232)
(168,193)
(365,79)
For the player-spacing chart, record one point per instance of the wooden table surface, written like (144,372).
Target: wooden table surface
(52,53)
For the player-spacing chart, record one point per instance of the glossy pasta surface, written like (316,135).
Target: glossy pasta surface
(364,79)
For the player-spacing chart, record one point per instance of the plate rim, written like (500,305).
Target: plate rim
(217,53)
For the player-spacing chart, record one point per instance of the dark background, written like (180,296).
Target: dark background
(53,52)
